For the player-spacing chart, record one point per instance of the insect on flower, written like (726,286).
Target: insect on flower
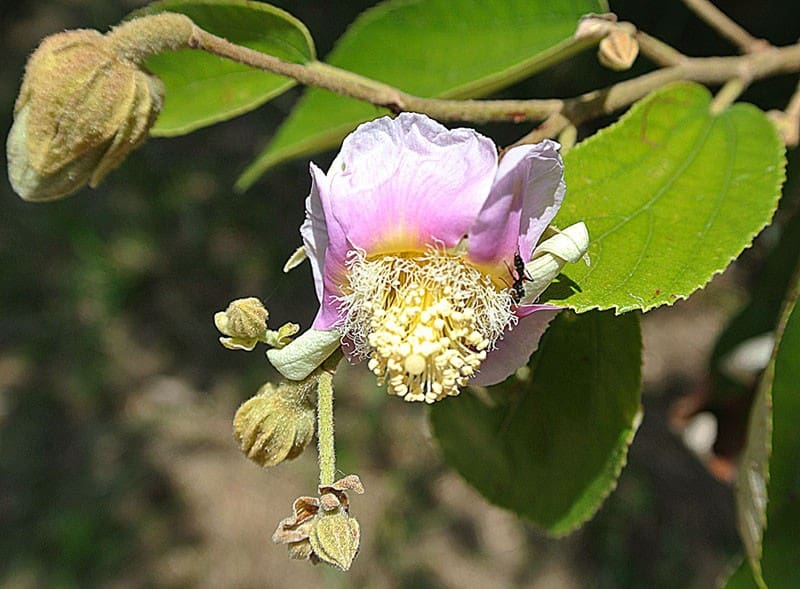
(520,276)
(409,234)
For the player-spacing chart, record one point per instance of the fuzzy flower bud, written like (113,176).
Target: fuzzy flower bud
(80,111)
(278,423)
(244,323)
(86,103)
(618,50)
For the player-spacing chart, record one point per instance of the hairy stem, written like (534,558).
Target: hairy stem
(325,441)
(138,39)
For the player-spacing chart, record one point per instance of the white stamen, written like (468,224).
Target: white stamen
(425,322)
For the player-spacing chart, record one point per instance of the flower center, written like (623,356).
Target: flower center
(425,322)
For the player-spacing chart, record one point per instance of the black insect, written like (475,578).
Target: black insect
(520,276)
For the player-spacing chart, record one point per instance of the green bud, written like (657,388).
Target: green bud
(244,323)
(81,110)
(278,423)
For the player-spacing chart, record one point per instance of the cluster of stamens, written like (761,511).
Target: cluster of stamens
(425,322)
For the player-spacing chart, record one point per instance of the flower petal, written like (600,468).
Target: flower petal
(526,195)
(314,232)
(517,345)
(326,247)
(408,183)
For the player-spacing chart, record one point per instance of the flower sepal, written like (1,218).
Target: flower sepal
(549,257)
(305,354)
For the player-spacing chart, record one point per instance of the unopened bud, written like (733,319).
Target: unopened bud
(244,323)
(618,50)
(278,423)
(81,110)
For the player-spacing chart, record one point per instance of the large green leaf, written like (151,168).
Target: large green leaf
(671,194)
(550,448)
(769,479)
(431,48)
(203,89)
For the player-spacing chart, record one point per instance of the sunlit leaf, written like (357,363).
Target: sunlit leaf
(430,48)
(203,89)
(671,194)
(550,448)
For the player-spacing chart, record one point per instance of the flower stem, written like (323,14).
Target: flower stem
(325,442)
(138,39)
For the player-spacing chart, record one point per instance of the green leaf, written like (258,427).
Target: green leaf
(769,483)
(740,578)
(671,194)
(203,89)
(430,48)
(551,448)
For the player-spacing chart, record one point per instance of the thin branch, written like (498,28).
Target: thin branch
(710,70)
(725,26)
(788,121)
(793,117)
(552,126)
(728,94)
(658,51)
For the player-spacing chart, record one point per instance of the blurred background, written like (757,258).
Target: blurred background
(117,463)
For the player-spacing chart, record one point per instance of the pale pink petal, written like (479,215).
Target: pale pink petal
(326,246)
(314,232)
(409,183)
(526,195)
(517,345)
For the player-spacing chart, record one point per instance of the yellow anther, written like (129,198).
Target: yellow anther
(425,322)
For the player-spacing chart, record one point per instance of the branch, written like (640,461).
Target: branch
(709,70)
(788,121)
(725,26)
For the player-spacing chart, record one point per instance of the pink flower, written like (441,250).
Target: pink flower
(413,234)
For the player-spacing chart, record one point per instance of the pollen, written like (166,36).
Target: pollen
(425,322)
